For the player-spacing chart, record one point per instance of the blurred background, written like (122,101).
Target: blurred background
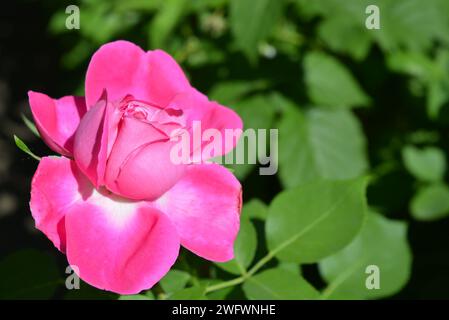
(385,96)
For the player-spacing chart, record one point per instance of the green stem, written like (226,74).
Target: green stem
(225,284)
(261,263)
(244,277)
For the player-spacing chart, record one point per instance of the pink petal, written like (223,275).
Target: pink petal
(122,68)
(119,248)
(117,244)
(56,184)
(57,119)
(139,166)
(205,208)
(133,134)
(94,139)
(149,172)
(211,115)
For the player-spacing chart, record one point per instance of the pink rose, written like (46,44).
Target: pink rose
(116,203)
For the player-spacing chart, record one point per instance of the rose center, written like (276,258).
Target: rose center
(166,119)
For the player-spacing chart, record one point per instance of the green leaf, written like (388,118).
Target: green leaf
(431,203)
(412,24)
(174,280)
(343,27)
(57,21)
(257,112)
(320,144)
(279,284)
(140,5)
(200,5)
(428,72)
(305,224)
(230,92)
(30,125)
(427,164)
(255,209)
(425,21)
(244,248)
(381,242)
(76,56)
(356,40)
(290,266)
(413,63)
(252,21)
(437,97)
(330,84)
(99,22)
(193,293)
(22,146)
(167,18)
(146,296)
(29,274)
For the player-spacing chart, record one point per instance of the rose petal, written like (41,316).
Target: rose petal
(56,184)
(133,134)
(118,247)
(205,208)
(122,68)
(116,244)
(148,172)
(57,119)
(94,139)
(212,117)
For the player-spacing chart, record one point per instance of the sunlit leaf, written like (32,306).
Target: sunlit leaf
(429,72)
(411,24)
(428,164)
(320,144)
(431,202)
(22,146)
(305,224)
(381,243)
(291,267)
(330,84)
